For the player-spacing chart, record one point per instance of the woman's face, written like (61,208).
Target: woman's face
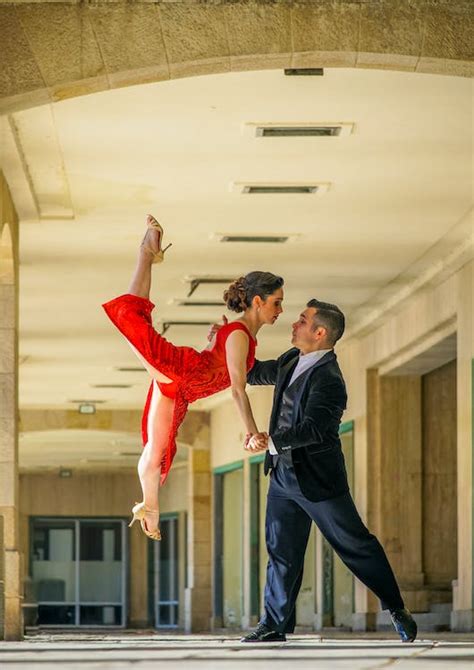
(271,307)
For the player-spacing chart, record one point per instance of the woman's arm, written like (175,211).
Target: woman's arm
(236,349)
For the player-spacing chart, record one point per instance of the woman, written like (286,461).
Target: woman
(182,374)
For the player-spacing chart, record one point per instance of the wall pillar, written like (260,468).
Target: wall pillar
(11,624)
(198,592)
(462,617)
(394,468)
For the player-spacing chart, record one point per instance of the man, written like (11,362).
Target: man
(308,476)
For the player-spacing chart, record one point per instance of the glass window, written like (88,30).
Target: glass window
(78,570)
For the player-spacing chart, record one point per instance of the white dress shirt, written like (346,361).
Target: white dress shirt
(305,362)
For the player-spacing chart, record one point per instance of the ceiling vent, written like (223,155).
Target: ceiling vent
(265,239)
(137,369)
(280,188)
(196,303)
(111,386)
(304,71)
(307,129)
(195,282)
(166,325)
(315,131)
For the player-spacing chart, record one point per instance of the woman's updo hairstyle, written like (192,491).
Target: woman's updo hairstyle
(238,297)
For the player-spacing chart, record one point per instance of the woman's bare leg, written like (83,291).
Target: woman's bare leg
(140,286)
(160,417)
(141,280)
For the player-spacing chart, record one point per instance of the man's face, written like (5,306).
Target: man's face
(304,334)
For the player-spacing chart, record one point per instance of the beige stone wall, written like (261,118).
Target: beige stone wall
(58,50)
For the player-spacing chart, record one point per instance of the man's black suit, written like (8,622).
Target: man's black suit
(309,482)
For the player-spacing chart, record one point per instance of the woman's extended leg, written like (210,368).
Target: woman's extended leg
(160,417)
(141,282)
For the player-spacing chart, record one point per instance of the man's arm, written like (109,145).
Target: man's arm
(324,407)
(263,373)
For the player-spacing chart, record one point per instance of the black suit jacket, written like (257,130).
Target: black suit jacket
(313,439)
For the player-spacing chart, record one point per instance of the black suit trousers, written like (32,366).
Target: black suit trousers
(287,526)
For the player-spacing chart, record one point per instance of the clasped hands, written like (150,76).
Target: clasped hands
(256,442)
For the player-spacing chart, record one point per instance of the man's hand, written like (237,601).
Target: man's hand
(216,327)
(258,442)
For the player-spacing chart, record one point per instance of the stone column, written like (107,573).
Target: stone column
(462,618)
(198,600)
(394,453)
(9,489)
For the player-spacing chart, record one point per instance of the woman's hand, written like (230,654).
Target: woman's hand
(216,327)
(257,442)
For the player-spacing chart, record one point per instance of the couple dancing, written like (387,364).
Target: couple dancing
(302,448)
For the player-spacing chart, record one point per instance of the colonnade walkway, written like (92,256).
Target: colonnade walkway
(151,650)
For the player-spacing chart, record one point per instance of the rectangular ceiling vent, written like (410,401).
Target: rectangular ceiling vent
(196,303)
(314,131)
(278,188)
(291,129)
(134,369)
(304,71)
(206,280)
(111,386)
(269,189)
(166,325)
(265,239)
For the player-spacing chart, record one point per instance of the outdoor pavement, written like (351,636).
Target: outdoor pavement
(136,650)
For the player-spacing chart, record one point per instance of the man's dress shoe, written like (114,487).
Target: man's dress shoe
(264,634)
(404,624)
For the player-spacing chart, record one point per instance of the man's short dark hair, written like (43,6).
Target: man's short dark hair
(330,317)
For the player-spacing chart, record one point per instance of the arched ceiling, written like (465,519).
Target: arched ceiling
(85,171)
(57,50)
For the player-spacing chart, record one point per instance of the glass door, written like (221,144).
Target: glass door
(78,568)
(166,573)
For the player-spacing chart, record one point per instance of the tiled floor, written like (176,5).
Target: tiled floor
(157,651)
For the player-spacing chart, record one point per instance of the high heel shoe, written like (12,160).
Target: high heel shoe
(139,511)
(153,224)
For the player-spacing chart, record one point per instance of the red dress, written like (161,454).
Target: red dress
(194,374)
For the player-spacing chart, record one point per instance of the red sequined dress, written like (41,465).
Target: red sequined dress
(194,374)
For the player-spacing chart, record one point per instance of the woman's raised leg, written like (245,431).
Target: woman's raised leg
(160,417)
(141,282)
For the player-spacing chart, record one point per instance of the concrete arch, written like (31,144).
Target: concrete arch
(57,50)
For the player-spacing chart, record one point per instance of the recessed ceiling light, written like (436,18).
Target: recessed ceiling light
(86,408)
